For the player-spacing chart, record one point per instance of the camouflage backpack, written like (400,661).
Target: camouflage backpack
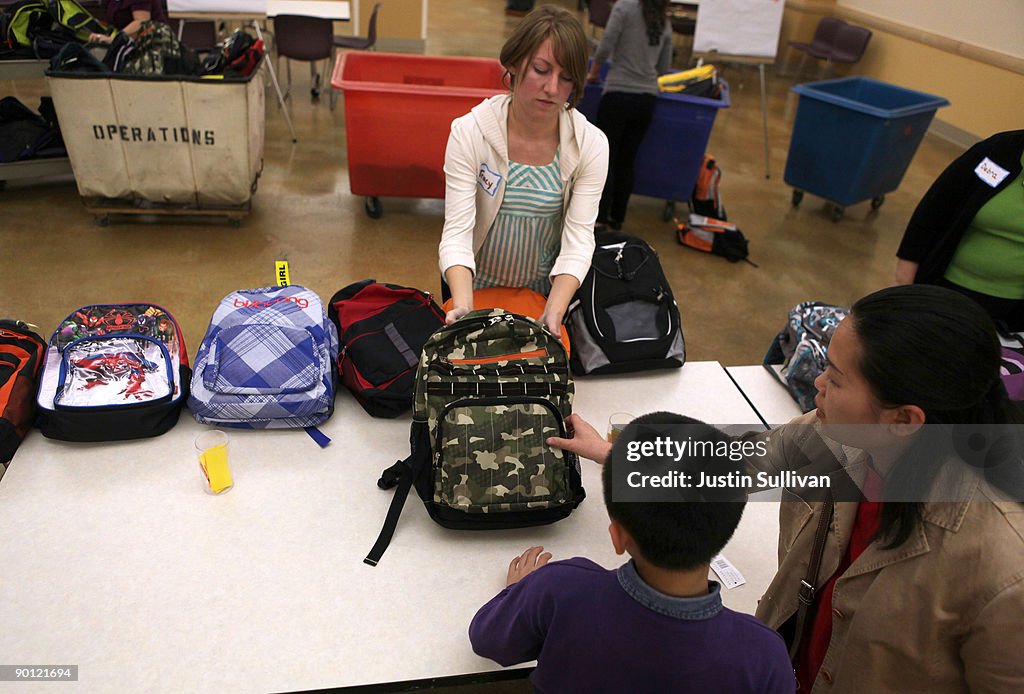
(156,50)
(490,389)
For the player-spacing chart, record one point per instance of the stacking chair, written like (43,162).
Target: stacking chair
(361,43)
(199,35)
(821,45)
(598,11)
(850,45)
(310,39)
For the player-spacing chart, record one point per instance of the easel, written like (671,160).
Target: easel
(715,56)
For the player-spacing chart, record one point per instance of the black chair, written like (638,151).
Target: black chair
(199,35)
(310,39)
(821,45)
(598,11)
(850,44)
(361,43)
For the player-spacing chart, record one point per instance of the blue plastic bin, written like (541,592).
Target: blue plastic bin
(672,152)
(853,139)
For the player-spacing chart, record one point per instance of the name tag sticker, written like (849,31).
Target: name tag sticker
(488,180)
(990,172)
(726,572)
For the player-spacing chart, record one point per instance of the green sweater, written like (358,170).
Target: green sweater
(990,257)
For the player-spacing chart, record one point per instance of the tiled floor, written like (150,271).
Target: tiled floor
(56,258)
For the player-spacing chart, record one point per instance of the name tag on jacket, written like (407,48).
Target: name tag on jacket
(488,180)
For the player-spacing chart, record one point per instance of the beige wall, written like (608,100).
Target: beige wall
(401,23)
(985,88)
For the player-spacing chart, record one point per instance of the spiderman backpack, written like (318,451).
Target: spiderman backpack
(113,372)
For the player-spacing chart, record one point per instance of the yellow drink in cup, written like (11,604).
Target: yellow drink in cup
(213,460)
(616,423)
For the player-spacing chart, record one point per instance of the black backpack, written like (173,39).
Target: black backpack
(624,317)
(381,331)
(25,134)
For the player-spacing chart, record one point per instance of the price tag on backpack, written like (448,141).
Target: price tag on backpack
(728,574)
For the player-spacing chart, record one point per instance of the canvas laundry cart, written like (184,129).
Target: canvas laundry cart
(162,145)
(398,112)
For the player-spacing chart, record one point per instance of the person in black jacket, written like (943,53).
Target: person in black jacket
(967,232)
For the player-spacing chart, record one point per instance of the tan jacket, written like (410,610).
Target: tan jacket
(943,612)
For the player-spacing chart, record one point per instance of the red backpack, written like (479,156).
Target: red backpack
(21,360)
(381,332)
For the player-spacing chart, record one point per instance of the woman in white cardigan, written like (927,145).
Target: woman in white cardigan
(524,173)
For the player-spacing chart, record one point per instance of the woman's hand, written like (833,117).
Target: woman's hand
(906,270)
(456,313)
(584,441)
(100,38)
(525,564)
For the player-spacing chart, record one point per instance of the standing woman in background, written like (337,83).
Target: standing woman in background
(638,39)
(128,16)
(523,174)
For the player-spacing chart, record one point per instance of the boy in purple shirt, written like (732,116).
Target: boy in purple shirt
(656,624)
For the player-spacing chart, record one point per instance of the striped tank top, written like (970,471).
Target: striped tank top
(525,238)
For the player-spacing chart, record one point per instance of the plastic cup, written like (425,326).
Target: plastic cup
(212,448)
(616,423)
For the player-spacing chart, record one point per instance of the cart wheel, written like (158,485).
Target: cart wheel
(374,209)
(837,212)
(103,220)
(669,212)
(877,201)
(234,222)
(3,184)
(798,196)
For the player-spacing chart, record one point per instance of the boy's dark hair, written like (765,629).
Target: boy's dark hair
(683,534)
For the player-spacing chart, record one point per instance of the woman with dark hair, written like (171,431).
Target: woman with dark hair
(638,40)
(523,174)
(921,581)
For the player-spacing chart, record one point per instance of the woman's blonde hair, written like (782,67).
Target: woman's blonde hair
(568,42)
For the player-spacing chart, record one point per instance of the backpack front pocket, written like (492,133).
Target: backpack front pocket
(262,359)
(491,455)
(108,371)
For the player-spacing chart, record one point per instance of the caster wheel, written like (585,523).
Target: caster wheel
(103,221)
(877,201)
(837,213)
(798,196)
(669,212)
(373,208)
(234,222)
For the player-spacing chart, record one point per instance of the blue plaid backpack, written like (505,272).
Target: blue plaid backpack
(267,361)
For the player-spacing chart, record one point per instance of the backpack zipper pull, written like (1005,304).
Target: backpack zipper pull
(659,293)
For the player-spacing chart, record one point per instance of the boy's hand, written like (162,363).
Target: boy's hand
(526,563)
(585,441)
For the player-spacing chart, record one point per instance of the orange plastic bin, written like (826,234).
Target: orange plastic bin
(398,112)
